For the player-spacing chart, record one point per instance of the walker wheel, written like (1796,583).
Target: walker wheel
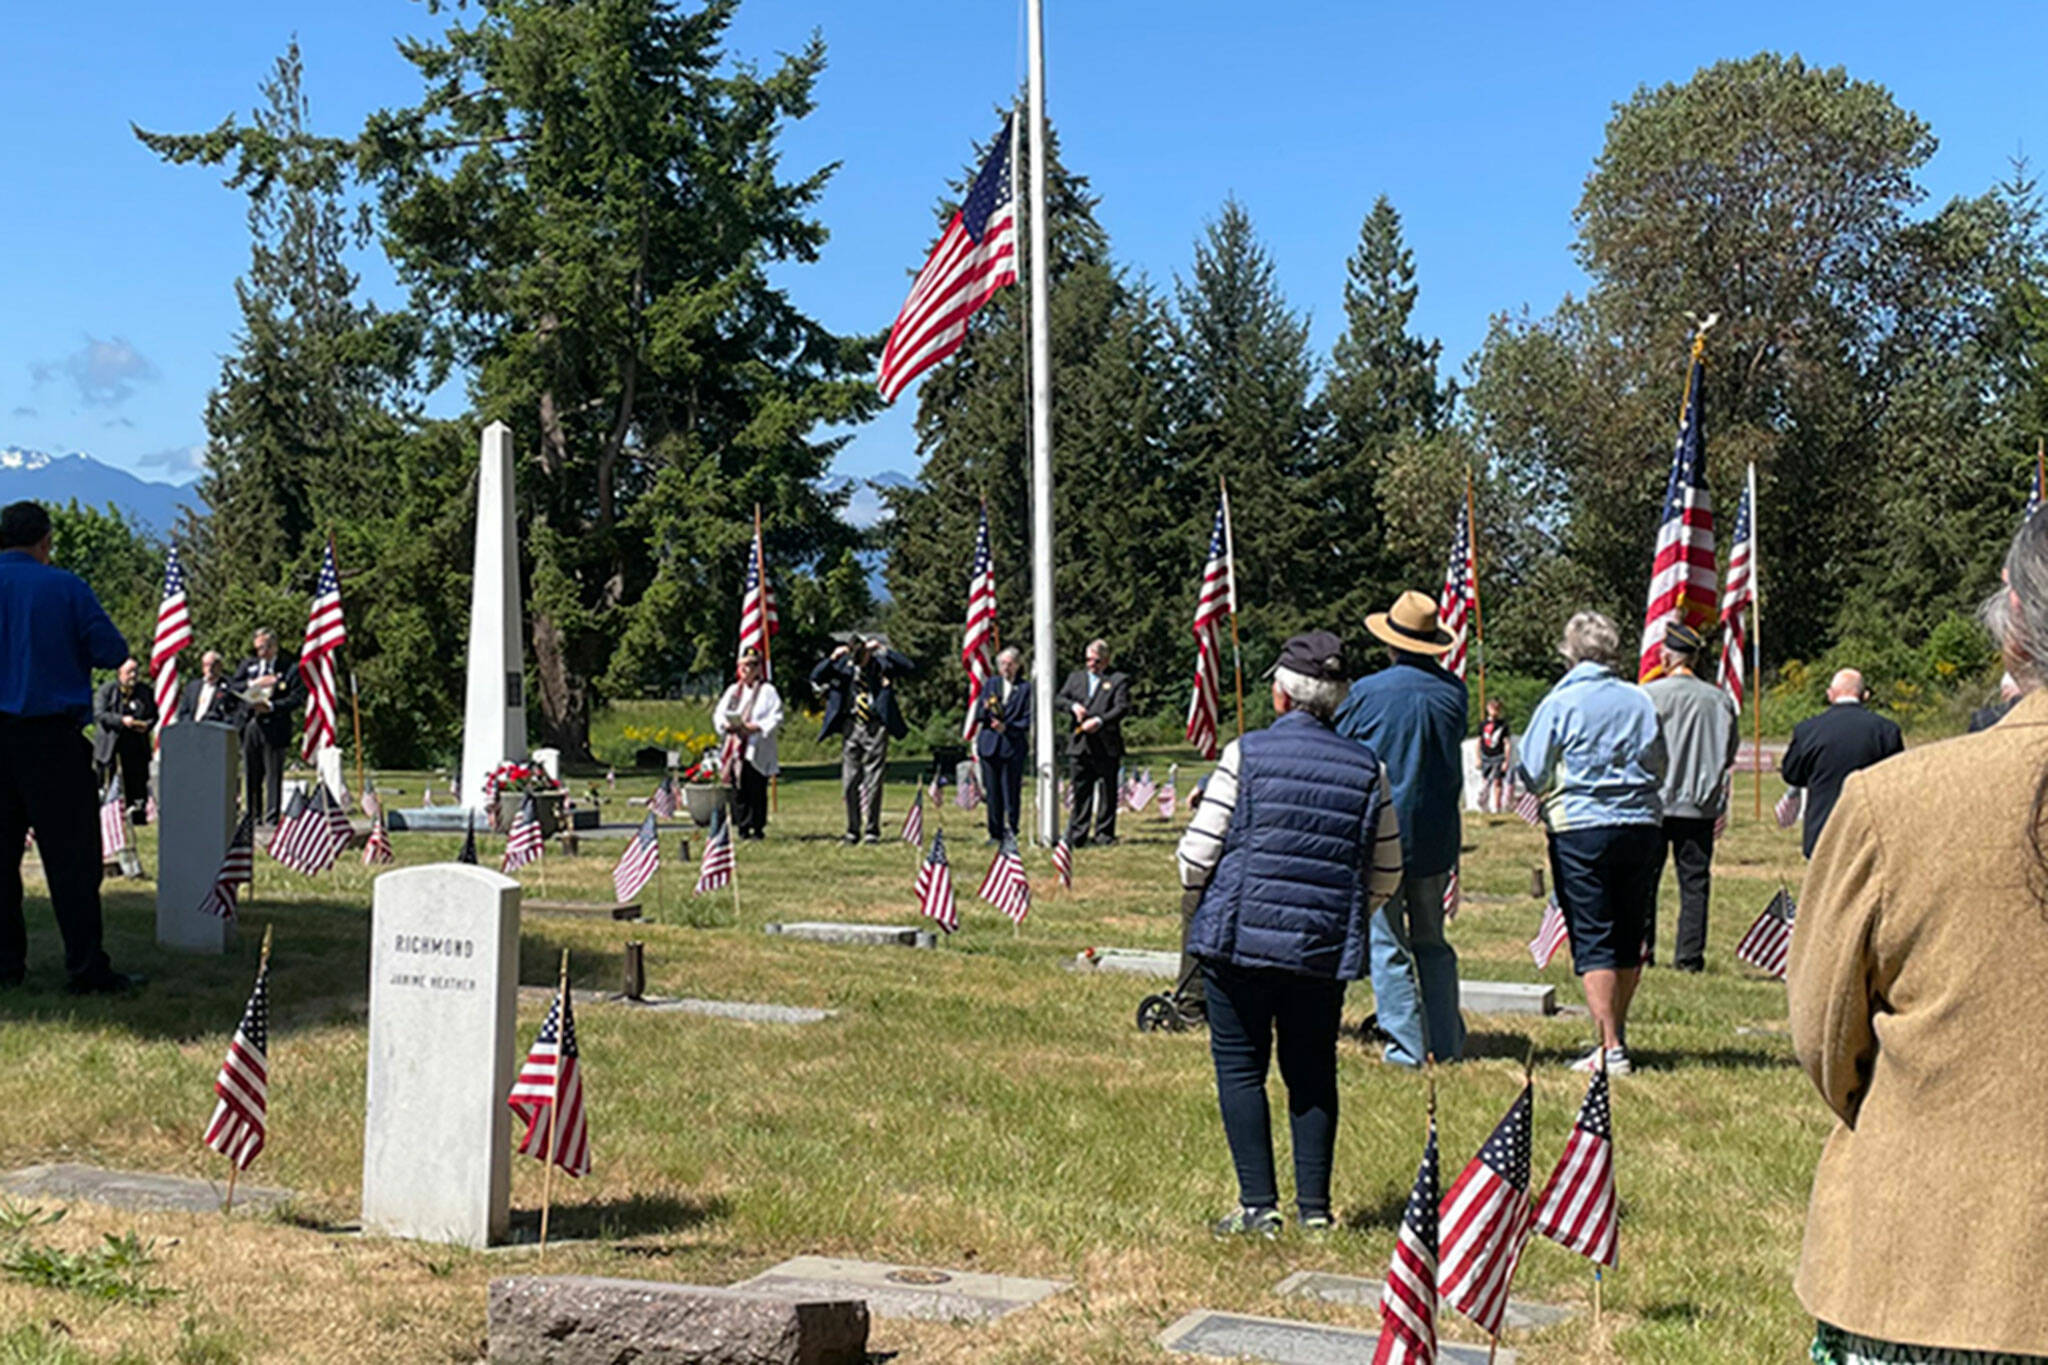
(1158,1014)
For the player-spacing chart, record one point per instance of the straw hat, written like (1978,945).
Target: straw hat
(1410,625)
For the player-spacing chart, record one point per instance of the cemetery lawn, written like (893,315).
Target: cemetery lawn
(975,1107)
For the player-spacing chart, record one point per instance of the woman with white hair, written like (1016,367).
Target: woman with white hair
(1594,752)
(1917,983)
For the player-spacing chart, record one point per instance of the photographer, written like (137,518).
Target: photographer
(860,704)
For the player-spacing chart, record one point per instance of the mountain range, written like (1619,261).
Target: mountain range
(153,508)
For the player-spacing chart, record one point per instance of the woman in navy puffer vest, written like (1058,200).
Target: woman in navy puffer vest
(1294,846)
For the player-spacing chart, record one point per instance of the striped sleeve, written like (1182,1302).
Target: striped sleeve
(1386,850)
(1201,845)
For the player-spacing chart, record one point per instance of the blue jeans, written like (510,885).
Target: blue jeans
(1415,974)
(1248,1007)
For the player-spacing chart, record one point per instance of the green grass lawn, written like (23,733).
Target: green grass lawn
(975,1107)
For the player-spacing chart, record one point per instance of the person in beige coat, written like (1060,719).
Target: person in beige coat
(1919,1000)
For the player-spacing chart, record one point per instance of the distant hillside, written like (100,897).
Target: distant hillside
(154,508)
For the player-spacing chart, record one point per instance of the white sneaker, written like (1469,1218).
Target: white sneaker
(1617,1062)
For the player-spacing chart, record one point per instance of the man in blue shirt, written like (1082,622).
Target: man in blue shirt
(53,633)
(1412,714)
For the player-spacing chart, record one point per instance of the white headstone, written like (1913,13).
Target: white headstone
(195,807)
(327,762)
(444,982)
(549,762)
(494,713)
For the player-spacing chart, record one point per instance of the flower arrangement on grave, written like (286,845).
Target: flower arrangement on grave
(521,778)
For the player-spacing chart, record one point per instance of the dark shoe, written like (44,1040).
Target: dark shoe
(1243,1222)
(1081,842)
(106,981)
(1105,841)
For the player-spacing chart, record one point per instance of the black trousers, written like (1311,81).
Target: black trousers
(264,763)
(47,785)
(1095,799)
(1690,845)
(1002,786)
(131,760)
(749,802)
(1249,1008)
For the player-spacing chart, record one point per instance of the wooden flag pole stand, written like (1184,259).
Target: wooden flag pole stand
(734,878)
(547,1179)
(1236,649)
(262,965)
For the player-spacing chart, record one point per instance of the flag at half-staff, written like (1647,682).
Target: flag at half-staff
(173,633)
(638,864)
(1457,604)
(978,643)
(326,632)
(935,886)
(549,1093)
(975,256)
(237,868)
(1486,1222)
(715,868)
(1682,576)
(1212,604)
(759,622)
(1739,595)
(1006,886)
(1577,1208)
(241,1111)
(1408,1300)
(523,842)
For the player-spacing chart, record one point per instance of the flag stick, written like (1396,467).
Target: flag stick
(767,649)
(234,1168)
(734,876)
(1472,559)
(233,1171)
(1230,556)
(355,706)
(547,1179)
(1596,1298)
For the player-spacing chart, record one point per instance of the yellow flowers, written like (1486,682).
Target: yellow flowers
(670,737)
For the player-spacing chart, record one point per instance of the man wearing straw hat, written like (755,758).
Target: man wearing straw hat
(1412,715)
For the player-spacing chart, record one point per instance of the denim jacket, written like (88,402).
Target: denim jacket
(1594,752)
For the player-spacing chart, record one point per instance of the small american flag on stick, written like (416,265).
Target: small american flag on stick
(1577,1209)
(1408,1302)
(662,805)
(1529,806)
(326,632)
(549,1091)
(468,853)
(1486,1222)
(715,869)
(377,848)
(523,842)
(1789,807)
(173,633)
(1453,897)
(1550,935)
(304,840)
(1005,886)
(1063,862)
(237,868)
(1768,944)
(913,821)
(113,821)
(241,1108)
(935,886)
(638,864)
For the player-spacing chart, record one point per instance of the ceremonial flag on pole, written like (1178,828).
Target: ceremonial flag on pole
(553,1079)
(759,622)
(326,632)
(1408,1302)
(913,821)
(1461,589)
(1005,886)
(173,633)
(935,886)
(1682,579)
(523,842)
(1486,1222)
(242,1088)
(1577,1209)
(1768,944)
(113,821)
(978,642)
(1205,705)
(1550,935)
(640,861)
(377,848)
(1738,594)
(1063,862)
(975,256)
(715,869)
(237,868)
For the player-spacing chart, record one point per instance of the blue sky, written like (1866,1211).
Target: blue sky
(1480,121)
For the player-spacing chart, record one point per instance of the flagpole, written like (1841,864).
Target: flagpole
(1472,563)
(767,650)
(1230,559)
(547,1178)
(262,966)
(1756,641)
(1041,434)
(355,706)
(734,876)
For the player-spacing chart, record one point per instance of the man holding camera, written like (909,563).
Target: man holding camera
(860,704)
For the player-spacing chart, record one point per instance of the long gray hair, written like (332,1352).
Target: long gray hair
(2017,617)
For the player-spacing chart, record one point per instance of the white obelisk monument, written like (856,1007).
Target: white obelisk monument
(494,715)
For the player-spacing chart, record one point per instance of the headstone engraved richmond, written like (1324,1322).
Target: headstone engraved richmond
(444,981)
(196,781)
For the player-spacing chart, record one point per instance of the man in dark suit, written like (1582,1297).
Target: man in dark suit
(1097,699)
(860,704)
(124,710)
(1003,743)
(1826,748)
(268,685)
(209,697)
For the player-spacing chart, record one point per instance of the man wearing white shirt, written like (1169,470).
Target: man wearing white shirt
(746,718)
(207,697)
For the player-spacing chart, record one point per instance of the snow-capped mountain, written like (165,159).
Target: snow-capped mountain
(154,508)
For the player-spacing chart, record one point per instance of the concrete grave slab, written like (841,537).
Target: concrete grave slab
(1523,1315)
(833,931)
(744,1010)
(1279,1341)
(1135,961)
(584,1320)
(900,1291)
(142,1191)
(1507,997)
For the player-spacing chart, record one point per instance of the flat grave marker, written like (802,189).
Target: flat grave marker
(834,931)
(1523,1315)
(1136,961)
(902,1291)
(139,1191)
(1280,1341)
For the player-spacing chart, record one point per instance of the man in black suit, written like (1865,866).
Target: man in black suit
(268,685)
(209,696)
(1826,748)
(124,710)
(1003,743)
(1097,699)
(860,704)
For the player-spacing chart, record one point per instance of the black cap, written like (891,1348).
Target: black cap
(1314,654)
(1683,638)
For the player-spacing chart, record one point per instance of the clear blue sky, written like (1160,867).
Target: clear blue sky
(116,271)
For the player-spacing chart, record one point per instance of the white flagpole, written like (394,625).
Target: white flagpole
(1041,445)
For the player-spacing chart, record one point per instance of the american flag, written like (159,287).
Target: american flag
(304,840)
(1454,608)
(468,852)
(377,848)
(913,821)
(1408,1302)
(242,1107)
(662,805)
(1486,1222)
(1789,807)
(237,868)
(935,886)
(553,1079)
(978,642)
(1063,862)
(1005,886)
(639,863)
(967,795)
(1737,596)
(1529,806)
(1169,799)
(173,633)
(523,842)
(975,256)
(1550,935)
(1768,944)
(715,868)
(1138,795)
(326,632)
(1452,896)
(1205,705)
(1577,1208)
(1682,578)
(113,821)
(336,810)
(759,622)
